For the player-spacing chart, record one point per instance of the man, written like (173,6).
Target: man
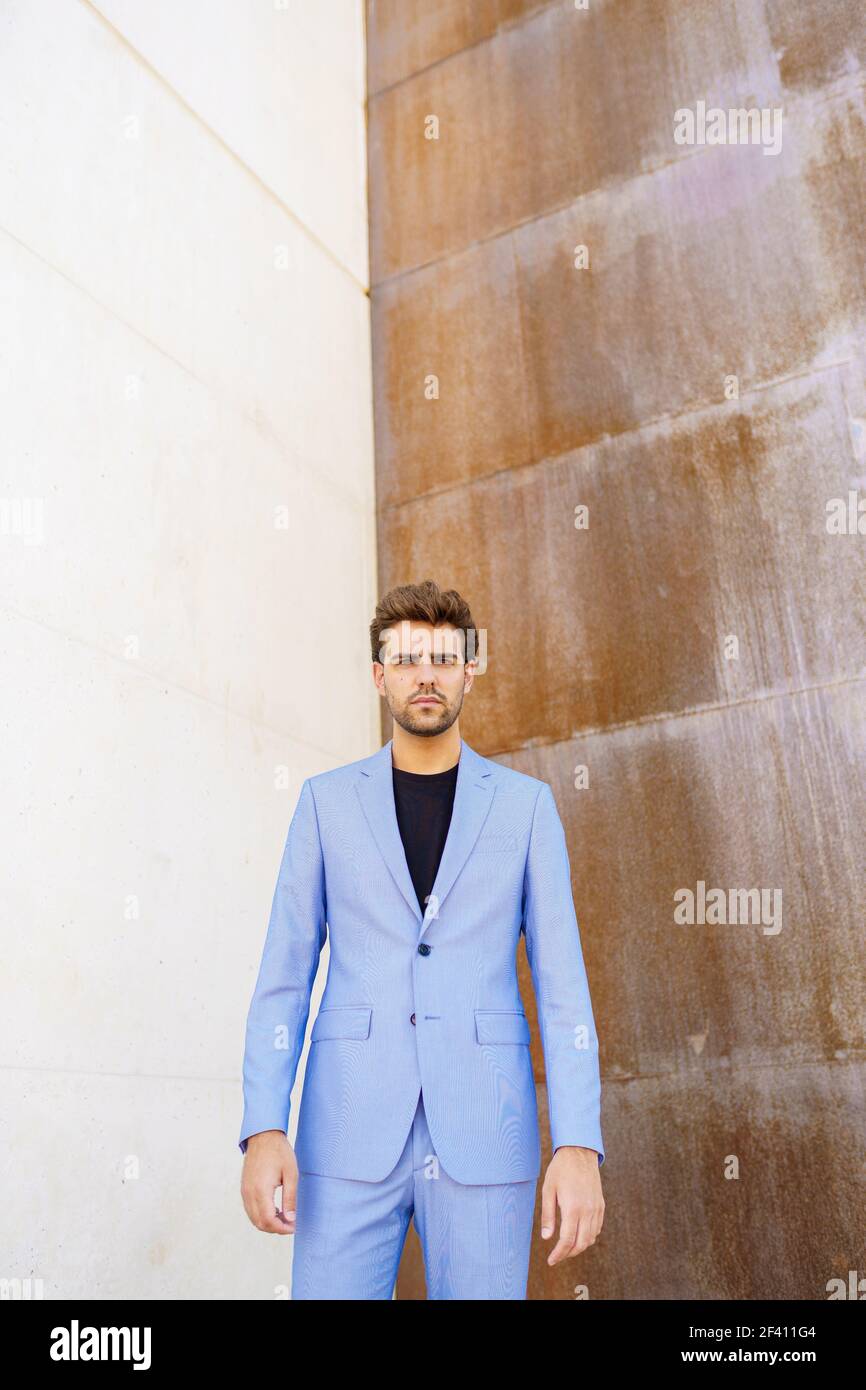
(423,864)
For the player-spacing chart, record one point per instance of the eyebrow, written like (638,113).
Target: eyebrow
(434,654)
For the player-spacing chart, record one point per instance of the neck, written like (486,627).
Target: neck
(409,753)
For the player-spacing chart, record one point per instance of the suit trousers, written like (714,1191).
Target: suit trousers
(349,1235)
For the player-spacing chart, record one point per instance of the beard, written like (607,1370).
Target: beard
(425,721)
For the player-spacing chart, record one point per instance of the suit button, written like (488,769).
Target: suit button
(412,1019)
(423,949)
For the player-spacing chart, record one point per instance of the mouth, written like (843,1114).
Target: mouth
(426,700)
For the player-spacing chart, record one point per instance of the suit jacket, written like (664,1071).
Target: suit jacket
(430,1000)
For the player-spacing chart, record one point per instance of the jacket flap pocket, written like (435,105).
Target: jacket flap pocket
(501,1026)
(352,1021)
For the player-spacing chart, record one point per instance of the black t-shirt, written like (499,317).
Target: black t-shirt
(424,801)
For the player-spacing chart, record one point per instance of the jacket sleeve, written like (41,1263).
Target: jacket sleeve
(553,950)
(277,1017)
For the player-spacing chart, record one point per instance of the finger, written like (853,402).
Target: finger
(548,1210)
(583,1234)
(567,1232)
(290,1197)
(588,1229)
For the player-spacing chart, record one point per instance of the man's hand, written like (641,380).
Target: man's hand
(573,1180)
(269,1163)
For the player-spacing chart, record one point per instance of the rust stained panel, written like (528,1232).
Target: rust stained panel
(721,1040)
(550,109)
(434,195)
(738,798)
(676,1228)
(698,529)
(817,43)
(731,264)
(405,36)
(479,423)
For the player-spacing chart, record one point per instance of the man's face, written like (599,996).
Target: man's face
(423,676)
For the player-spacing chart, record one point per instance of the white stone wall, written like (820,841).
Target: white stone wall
(187,573)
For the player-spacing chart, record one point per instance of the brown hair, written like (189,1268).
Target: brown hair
(423,603)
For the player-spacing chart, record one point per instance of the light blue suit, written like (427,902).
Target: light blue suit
(430,1001)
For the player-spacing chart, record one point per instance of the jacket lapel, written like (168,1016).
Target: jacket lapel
(473,794)
(375,786)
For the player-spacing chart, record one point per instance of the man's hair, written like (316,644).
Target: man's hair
(423,603)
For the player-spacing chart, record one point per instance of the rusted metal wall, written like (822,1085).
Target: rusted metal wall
(696,379)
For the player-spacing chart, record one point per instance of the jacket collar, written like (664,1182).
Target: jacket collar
(473,794)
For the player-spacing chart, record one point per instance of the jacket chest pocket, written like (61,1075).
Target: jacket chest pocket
(349,1021)
(501,1026)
